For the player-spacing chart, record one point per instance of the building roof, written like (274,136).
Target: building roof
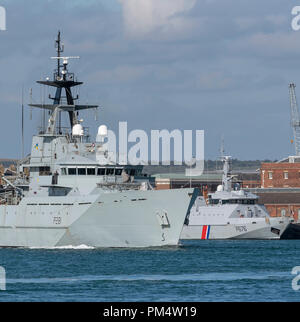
(277,196)
(208,176)
(182,176)
(280,166)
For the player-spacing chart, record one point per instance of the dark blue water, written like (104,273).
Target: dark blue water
(198,271)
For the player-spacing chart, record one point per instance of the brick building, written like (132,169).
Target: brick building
(284,174)
(280,202)
(208,181)
(248,180)
(280,183)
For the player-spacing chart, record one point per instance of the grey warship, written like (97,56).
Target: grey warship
(71,198)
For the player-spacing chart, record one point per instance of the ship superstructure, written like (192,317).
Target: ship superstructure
(76,195)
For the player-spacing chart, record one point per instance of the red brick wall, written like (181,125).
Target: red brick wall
(290,210)
(278,180)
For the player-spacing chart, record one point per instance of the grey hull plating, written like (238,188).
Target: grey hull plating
(119,219)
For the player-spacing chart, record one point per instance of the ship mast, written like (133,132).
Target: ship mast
(62,80)
(60,49)
(226,181)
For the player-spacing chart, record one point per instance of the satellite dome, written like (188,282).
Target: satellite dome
(220,188)
(77,130)
(102,130)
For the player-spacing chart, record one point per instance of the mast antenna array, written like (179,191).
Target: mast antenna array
(295,121)
(60,49)
(62,81)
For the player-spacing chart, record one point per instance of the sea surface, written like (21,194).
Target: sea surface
(196,271)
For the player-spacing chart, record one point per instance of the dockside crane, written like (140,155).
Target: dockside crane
(295,121)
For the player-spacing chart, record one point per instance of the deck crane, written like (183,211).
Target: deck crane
(295,121)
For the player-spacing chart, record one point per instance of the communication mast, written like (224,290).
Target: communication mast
(63,81)
(295,121)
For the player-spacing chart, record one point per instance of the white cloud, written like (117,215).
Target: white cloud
(142,17)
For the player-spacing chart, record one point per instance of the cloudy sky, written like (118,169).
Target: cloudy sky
(219,65)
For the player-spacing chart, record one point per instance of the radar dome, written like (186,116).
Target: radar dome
(220,188)
(102,130)
(77,130)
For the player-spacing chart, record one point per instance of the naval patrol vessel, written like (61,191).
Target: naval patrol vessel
(232,214)
(71,198)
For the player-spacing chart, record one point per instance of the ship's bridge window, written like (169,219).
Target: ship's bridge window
(214,201)
(132,172)
(82,171)
(71,171)
(44,171)
(119,172)
(64,171)
(34,169)
(247,201)
(91,171)
(101,172)
(110,171)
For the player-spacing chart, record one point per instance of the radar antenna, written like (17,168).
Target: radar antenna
(65,60)
(60,49)
(62,79)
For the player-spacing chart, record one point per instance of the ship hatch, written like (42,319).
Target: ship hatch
(162,218)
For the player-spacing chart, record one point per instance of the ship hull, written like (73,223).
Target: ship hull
(112,219)
(260,229)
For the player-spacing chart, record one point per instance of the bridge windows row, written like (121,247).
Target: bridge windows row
(233,201)
(89,171)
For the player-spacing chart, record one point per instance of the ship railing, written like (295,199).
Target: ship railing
(66,131)
(58,130)
(68,76)
(125,186)
(9,198)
